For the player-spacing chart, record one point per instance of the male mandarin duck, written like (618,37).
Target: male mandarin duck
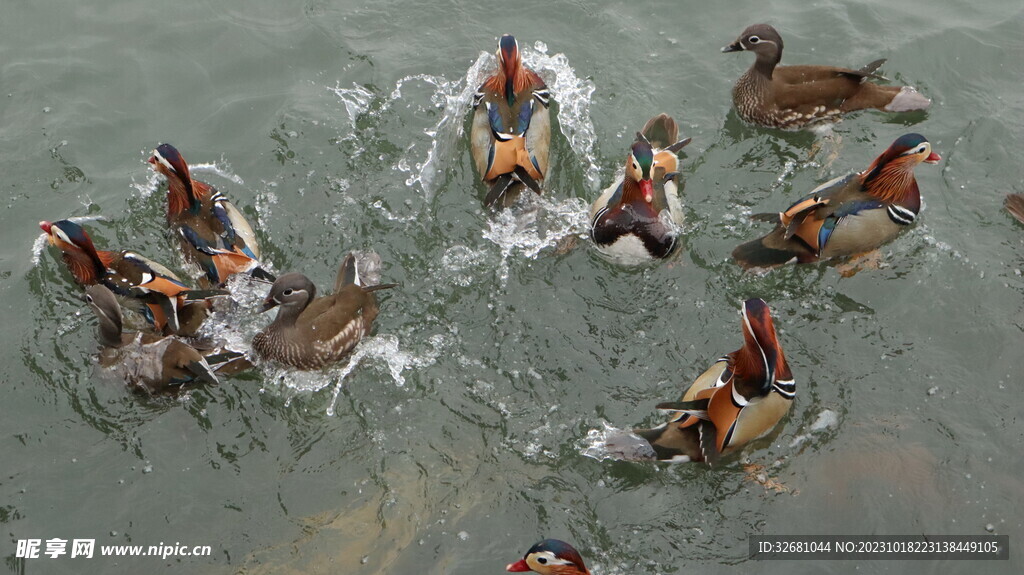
(737,400)
(164,300)
(794,97)
(511,127)
(1014,204)
(638,216)
(849,215)
(550,557)
(148,362)
(311,332)
(213,233)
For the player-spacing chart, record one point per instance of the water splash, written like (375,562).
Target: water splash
(453,98)
(616,444)
(531,229)
(574,96)
(397,360)
(356,99)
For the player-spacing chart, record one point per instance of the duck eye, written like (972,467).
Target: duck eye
(542,560)
(287,292)
(88,298)
(753,39)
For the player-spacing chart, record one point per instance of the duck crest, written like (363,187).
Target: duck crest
(182,192)
(890,178)
(511,76)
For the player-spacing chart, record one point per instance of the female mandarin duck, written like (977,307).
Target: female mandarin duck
(511,127)
(213,233)
(311,332)
(1014,204)
(638,216)
(550,557)
(738,399)
(848,215)
(164,300)
(794,97)
(148,362)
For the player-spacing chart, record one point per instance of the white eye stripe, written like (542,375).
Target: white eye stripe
(163,160)
(60,234)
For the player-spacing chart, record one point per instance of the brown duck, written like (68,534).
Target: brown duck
(149,362)
(794,97)
(738,399)
(1014,204)
(311,332)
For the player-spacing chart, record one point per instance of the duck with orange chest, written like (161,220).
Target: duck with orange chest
(212,232)
(740,398)
(163,299)
(511,130)
(850,215)
(795,97)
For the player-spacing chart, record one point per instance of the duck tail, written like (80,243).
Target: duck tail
(261,274)
(661,131)
(755,254)
(672,443)
(1014,204)
(348,273)
(907,99)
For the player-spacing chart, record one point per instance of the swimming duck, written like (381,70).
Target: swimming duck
(212,232)
(794,97)
(740,398)
(849,215)
(311,332)
(638,216)
(550,557)
(148,362)
(1014,204)
(511,127)
(163,299)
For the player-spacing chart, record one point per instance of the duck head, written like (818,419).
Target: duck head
(760,39)
(167,161)
(891,176)
(291,291)
(103,303)
(550,557)
(76,248)
(509,60)
(760,360)
(639,171)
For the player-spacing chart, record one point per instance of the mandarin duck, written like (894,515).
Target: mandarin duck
(849,215)
(212,232)
(511,127)
(311,332)
(149,362)
(794,97)
(637,218)
(550,557)
(162,298)
(740,398)
(1014,204)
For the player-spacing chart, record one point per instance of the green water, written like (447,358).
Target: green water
(454,441)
